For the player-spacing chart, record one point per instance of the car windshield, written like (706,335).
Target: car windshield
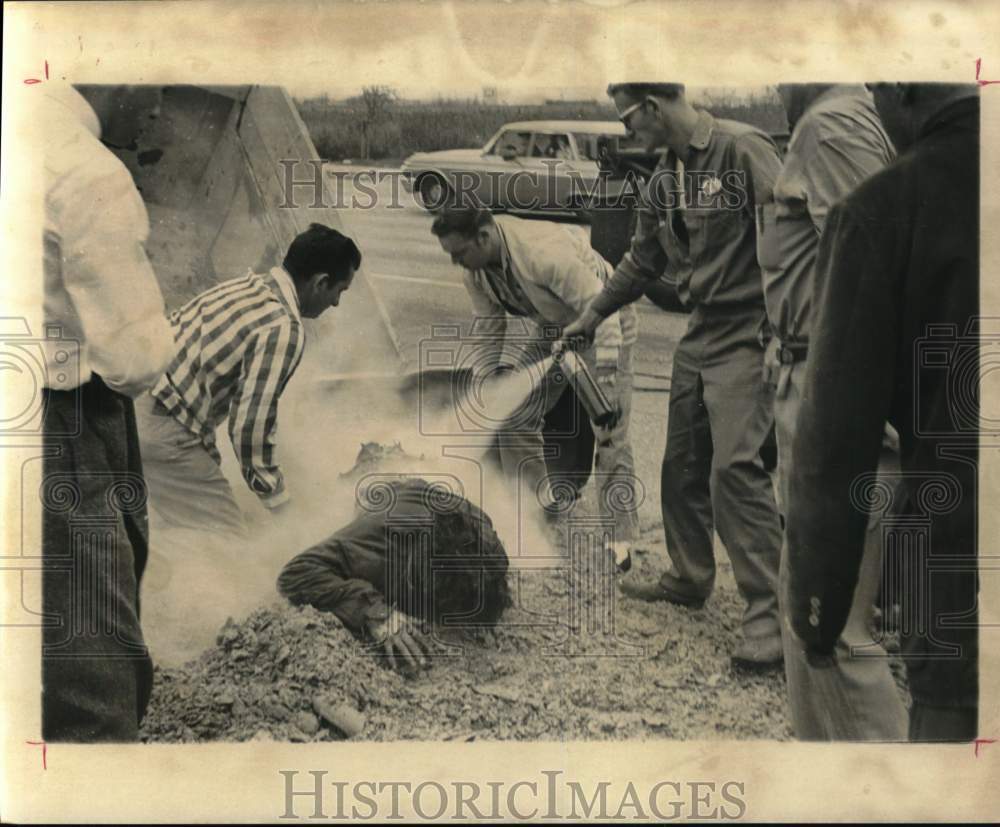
(511,140)
(587,144)
(552,145)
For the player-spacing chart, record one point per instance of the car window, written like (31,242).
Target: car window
(519,141)
(586,145)
(552,145)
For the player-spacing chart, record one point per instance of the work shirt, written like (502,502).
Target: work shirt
(103,308)
(548,273)
(236,347)
(896,337)
(836,144)
(696,222)
(388,556)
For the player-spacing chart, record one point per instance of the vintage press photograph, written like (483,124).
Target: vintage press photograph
(564,411)
(644,415)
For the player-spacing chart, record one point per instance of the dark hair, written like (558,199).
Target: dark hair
(470,587)
(640,91)
(465,579)
(466,221)
(321,249)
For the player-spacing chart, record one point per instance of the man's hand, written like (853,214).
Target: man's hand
(402,641)
(772,363)
(581,330)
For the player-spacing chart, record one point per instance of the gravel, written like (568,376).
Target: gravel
(603,668)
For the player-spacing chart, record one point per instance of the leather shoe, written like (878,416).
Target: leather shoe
(656,592)
(759,654)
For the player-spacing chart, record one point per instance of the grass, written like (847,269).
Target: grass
(407,127)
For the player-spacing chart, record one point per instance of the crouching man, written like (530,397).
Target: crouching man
(547,274)
(236,346)
(414,555)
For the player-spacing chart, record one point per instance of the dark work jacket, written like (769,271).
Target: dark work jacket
(389,554)
(896,338)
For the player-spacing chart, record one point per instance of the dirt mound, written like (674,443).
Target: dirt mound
(572,660)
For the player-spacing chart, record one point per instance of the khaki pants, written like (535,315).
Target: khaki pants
(712,475)
(855,698)
(187,489)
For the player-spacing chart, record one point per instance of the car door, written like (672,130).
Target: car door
(497,187)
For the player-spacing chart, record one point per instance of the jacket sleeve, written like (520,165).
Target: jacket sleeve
(253,416)
(569,273)
(102,227)
(758,159)
(320,577)
(838,164)
(490,324)
(846,401)
(645,261)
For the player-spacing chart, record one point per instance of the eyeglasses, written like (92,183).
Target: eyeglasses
(625,116)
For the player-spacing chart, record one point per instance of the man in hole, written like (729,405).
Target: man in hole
(415,554)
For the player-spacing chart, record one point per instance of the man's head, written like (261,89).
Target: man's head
(321,262)
(469,236)
(904,108)
(649,111)
(796,98)
(469,584)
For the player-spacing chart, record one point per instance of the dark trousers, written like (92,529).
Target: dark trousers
(96,671)
(712,475)
(941,724)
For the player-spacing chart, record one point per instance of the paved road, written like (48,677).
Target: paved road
(420,286)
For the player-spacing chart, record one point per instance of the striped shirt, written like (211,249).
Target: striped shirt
(236,347)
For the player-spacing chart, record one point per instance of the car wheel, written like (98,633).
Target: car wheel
(434,191)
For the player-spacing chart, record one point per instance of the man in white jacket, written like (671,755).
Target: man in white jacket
(106,341)
(546,273)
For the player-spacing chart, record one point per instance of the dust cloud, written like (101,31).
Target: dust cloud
(196,580)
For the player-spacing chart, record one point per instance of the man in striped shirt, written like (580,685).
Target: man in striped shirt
(236,347)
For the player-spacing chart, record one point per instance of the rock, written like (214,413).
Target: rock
(340,715)
(278,712)
(307,722)
(262,735)
(228,633)
(225,699)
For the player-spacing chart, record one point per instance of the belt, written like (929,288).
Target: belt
(791,352)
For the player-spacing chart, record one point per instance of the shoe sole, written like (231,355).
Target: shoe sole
(668,597)
(756,666)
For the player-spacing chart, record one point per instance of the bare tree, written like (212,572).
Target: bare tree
(377,101)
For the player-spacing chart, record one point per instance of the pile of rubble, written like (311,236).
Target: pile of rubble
(557,668)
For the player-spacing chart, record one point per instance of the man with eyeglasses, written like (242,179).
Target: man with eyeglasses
(698,224)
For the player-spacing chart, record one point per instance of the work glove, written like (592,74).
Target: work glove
(400,638)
